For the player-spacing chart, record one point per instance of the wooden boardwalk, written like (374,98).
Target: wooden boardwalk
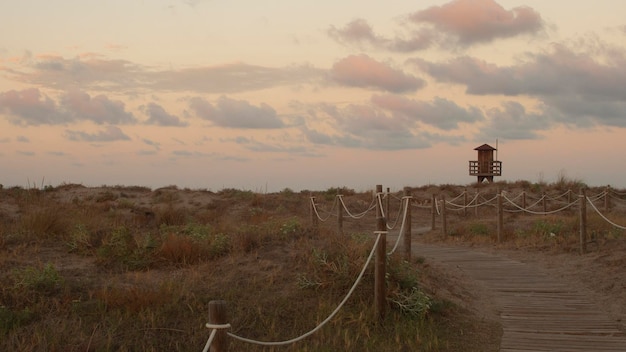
(537,312)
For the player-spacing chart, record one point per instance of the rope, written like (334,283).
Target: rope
(358,216)
(620,194)
(604,217)
(557,197)
(539,212)
(617,197)
(380,204)
(396,221)
(406,208)
(485,202)
(597,196)
(457,197)
(314,330)
(318,214)
(214,328)
(535,203)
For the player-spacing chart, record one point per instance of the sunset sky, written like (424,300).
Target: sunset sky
(267,95)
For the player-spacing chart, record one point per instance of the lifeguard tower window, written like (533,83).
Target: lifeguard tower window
(485,168)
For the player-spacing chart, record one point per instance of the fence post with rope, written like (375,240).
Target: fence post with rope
(433,212)
(407,228)
(465,202)
(444,219)
(500,212)
(583,220)
(607,204)
(381,259)
(218,322)
(314,220)
(339,215)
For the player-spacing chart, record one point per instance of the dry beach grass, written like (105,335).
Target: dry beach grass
(130,268)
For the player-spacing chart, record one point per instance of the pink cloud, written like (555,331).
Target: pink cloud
(363,71)
(473,21)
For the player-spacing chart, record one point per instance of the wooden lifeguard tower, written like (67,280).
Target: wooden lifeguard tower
(485,168)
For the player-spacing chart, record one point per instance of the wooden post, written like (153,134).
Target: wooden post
(444,220)
(583,220)
(314,219)
(524,201)
(569,196)
(545,206)
(499,211)
(218,315)
(407,226)
(476,205)
(465,202)
(433,212)
(380,291)
(607,201)
(339,215)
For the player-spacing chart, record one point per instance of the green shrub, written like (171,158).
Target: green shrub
(43,280)
(478,229)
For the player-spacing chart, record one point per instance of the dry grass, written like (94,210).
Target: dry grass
(123,268)
(126,268)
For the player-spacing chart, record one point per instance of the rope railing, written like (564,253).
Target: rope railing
(360,215)
(320,325)
(395,223)
(597,196)
(616,197)
(553,198)
(619,194)
(317,212)
(538,212)
(406,200)
(604,217)
(457,197)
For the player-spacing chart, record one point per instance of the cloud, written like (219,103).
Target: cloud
(513,121)
(98,109)
(233,113)
(87,72)
(581,88)
(357,31)
(151,143)
(360,33)
(458,22)
(365,72)
(92,72)
(158,116)
(440,112)
(32,107)
(22,139)
(256,146)
(479,21)
(369,127)
(109,134)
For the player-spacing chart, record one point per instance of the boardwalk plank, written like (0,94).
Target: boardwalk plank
(537,312)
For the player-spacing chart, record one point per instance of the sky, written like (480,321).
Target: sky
(308,95)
